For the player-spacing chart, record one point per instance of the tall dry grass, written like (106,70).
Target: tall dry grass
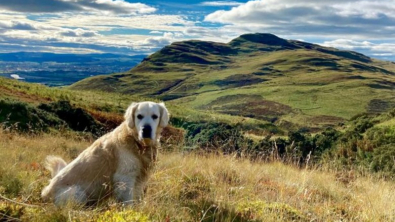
(192,187)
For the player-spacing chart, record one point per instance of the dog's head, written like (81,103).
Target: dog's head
(145,118)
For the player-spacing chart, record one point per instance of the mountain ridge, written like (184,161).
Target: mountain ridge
(306,77)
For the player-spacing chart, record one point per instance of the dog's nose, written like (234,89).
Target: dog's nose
(147,131)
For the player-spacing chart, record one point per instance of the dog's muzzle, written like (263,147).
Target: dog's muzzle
(147,134)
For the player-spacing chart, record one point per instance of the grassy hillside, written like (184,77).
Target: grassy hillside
(190,187)
(107,107)
(289,83)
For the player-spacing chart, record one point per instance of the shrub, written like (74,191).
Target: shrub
(76,118)
(214,136)
(383,159)
(26,118)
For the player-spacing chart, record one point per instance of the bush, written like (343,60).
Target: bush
(26,118)
(383,159)
(212,136)
(76,118)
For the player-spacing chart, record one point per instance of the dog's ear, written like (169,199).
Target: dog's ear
(164,115)
(129,114)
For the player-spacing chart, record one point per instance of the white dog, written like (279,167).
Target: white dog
(117,163)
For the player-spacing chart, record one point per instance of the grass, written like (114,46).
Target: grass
(196,187)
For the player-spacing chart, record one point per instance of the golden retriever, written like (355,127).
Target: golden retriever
(117,163)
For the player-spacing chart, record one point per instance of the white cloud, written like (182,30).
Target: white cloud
(348,44)
(78,33)
(365,47)
(98,22)
(18,25)
(320,18)
(160,41)
(53,6)
(221,3)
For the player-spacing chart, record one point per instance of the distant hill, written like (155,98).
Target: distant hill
(62,69)
(290,83)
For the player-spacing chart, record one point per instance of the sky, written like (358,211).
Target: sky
(143,27)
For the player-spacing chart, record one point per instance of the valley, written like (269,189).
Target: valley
(62,69)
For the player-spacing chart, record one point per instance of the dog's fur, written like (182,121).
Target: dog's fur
(117,163)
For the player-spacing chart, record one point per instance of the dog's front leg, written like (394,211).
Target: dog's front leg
(123,189)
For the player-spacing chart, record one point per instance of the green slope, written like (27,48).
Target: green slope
(289,83)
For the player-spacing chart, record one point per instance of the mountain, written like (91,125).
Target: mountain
(293,84)
(62,69)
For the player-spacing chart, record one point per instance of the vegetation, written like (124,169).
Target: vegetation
(195,187)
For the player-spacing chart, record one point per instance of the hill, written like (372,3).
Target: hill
(293,84)
(62,69)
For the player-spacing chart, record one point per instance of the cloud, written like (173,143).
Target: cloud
(40,6)
(306,17)
(160,41)
(119,26)
(378,50)
(16,25)
(221,3)
(53,6)
(19,33)
(99,22)
(78,33)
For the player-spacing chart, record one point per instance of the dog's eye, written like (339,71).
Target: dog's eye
(139,116)
(154,116)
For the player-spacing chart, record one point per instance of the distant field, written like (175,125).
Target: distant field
(51,78)
(63,69)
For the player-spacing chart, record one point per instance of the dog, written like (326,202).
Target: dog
(117,163)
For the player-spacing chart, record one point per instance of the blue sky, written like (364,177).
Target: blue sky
(142,27)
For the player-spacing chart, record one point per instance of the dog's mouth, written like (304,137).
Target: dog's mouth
(147,141)
(145,135)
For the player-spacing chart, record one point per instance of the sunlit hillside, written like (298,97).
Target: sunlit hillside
(289,83)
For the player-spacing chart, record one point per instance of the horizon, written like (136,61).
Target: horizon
(128,28)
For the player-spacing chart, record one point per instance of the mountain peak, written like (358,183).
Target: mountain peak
(263,38)
(265,41)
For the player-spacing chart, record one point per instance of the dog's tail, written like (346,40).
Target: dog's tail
(54,164)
